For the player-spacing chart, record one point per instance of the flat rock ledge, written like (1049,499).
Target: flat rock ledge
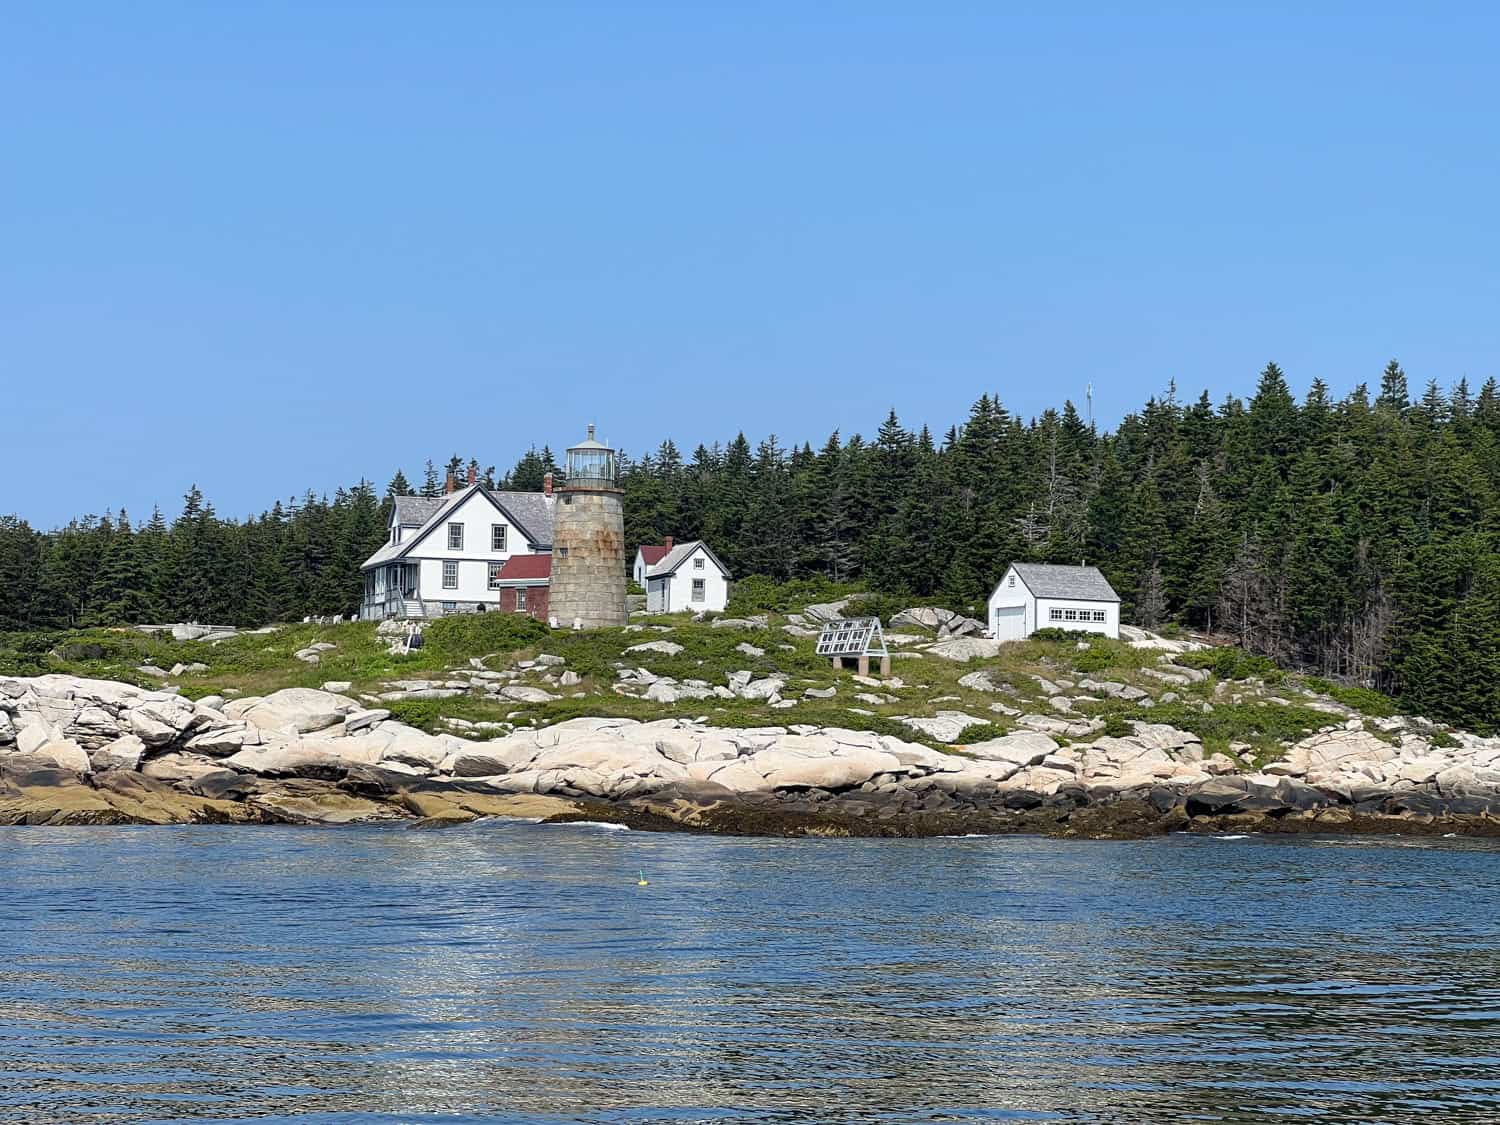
(76,751)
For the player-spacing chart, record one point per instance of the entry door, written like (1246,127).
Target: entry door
(1009,623)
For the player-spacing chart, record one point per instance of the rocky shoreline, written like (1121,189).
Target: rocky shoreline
(81,751)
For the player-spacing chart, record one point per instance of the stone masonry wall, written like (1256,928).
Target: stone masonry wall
(588,582)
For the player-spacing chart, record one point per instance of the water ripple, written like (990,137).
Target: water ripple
(510,972)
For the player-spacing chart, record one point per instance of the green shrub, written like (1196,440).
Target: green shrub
(422,713)
(475,634)
(1258,723)
(1098,658)
(1053,633)
(1367,701)
(974,734)
(1118,726)
(883,606)
(759,593)
(25,654)
(1230,663)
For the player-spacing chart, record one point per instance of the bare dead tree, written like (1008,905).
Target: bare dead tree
(1151,599)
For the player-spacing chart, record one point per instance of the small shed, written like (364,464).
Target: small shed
(1032,596)
(687,579)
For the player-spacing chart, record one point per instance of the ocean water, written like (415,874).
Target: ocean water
(517,972)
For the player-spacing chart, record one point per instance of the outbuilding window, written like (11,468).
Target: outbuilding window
(698,589)
(1054,614)
(698,563)
(1100,615)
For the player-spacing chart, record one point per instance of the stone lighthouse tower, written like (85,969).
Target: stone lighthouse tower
(588,541)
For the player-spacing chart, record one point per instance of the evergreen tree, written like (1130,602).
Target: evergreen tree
(1394,395)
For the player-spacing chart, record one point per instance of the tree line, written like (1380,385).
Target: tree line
(1351,537)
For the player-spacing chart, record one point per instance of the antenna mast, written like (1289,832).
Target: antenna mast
(1090,395)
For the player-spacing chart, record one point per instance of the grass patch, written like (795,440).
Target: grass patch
(1264,726)
(455,639)
(1367,701)
(1106,655)
(1229,663)
(760,594)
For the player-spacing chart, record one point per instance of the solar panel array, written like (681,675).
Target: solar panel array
(855,636)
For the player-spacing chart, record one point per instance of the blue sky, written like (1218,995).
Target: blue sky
(290,245)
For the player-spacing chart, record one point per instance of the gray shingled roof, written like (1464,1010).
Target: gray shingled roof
(1082,583)
(679,555)
(387,552)
(532,511)
(414,511)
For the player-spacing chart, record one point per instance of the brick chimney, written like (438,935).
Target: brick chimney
(473,474)
(669,543)
(451,484)
(547,485)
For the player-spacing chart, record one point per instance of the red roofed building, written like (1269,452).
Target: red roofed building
(523,583)
(647,556)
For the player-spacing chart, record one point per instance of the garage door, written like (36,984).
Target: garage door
(1009,622)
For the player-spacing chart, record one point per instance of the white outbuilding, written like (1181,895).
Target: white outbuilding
(1034,596)
(688,579)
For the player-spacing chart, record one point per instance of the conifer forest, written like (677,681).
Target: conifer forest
(1354,537)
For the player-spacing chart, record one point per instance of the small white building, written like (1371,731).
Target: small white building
(648,555)
(1034,596)
(444,554)
(688,579)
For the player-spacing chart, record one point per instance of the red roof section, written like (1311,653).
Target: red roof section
(526,567)
(653,555)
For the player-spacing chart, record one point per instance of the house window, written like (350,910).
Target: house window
(395,535)
(1100,615)
(520,598)
(1011,581)
(497,536)
(495,575)
(455,537)
(698,589)
(1054,614)
(450,576)
(449,607)
(698,563)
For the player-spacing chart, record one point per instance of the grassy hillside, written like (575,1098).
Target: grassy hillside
(1241,703)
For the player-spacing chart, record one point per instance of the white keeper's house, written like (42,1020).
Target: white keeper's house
(686,578)
(445,554)
(1034,596)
